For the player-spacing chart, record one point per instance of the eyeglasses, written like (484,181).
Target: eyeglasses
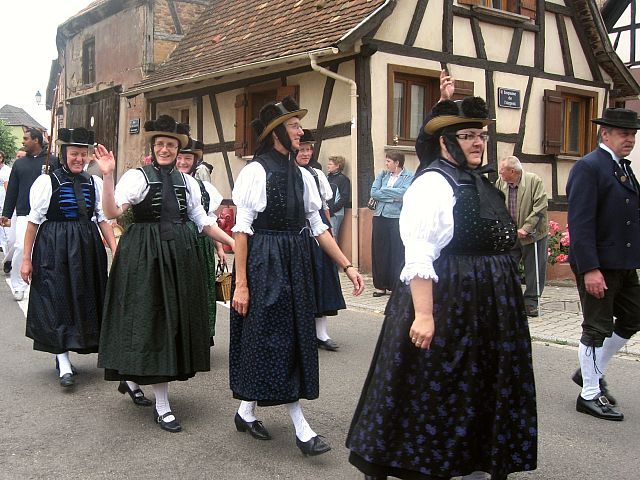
(294,126)
(472,136)
(168,146)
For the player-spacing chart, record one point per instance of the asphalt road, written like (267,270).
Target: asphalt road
(96,433)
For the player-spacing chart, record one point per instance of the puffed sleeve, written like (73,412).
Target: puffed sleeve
(325,188)
(195,210)
(99,214)
(250,196)
(39,198)
(215,198)
(131,188)
(312,203)
(426,225)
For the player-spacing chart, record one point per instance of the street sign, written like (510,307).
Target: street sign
(134,126)
(508,98)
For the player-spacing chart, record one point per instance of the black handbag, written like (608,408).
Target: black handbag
(372,204)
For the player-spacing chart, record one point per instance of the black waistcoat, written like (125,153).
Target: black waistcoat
(148,210)
(274,216)
(206,199)
(63,206)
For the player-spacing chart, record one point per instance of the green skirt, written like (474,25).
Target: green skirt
(210,259)
(155,326)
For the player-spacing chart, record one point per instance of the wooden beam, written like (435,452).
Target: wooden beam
(447,27)
(175,17)
(492,144)
(477,38)
(507,137)
(365,143)
(564,45)
(592,61)
(415,52)
(416,21)
(558,9)
(517,151)
(200,118)
(219,147)
(218,122)
(516,42)
(538,55)
(484,17)
(324,111)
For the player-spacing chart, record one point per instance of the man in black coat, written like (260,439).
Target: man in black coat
(604,225)
(23,174)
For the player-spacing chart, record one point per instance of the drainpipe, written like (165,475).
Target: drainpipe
(355,251)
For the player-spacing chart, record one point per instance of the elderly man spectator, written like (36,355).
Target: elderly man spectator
(527,204)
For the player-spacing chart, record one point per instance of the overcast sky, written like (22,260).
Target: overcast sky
(28,47)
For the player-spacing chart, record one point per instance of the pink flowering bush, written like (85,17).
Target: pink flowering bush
(559,241)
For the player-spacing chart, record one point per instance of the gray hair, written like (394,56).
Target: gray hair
(512,163)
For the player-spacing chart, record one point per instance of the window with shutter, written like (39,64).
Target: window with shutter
(522,7)
(567,115)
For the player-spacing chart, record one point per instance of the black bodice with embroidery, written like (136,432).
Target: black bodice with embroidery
(63,206)
(274,216)
(472,234)
(149,209)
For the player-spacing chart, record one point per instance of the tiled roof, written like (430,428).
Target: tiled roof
(233,33)
(15,116)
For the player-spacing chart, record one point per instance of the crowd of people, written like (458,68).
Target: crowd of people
(450,390)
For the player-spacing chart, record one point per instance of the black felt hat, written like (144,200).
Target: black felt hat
(467,110)
(274,114)
(196,147)
(307,136)
(619,118)
(80,137)
(166,126)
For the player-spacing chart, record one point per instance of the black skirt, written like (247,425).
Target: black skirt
(67,288)
(466,404)
(387,252)
(273,355)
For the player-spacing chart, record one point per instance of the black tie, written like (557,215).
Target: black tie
(169,211)
(80,200)
(629,173)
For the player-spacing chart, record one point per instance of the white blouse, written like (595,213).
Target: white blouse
(325,189)
(40,198)
(250,196)
(426,224)
(132,188)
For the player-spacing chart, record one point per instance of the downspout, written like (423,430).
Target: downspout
(355,250)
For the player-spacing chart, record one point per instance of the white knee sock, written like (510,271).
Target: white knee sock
(64,364)
(303,430)
(247,411)
(321,328)
(477,475)
(610,347)
(590,377)
(133,386)
(161,392)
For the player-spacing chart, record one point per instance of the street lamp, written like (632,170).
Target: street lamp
(38,97)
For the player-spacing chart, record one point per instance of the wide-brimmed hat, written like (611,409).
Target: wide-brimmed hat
(274,114)
(307,136)
(619,118)
(449,112)
(195,147)
(166,126)
(79,137)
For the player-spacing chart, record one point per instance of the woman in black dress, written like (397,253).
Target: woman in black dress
(64,257)
(450,390)
(155,327)
(273,356)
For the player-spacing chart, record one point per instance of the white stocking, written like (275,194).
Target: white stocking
(247,411)
(64,364)
(133,386)
(321,328)
(303,430)
(590,377)
(161,392)
(610,347)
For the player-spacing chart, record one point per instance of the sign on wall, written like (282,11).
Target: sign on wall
(509,98)
(134,126)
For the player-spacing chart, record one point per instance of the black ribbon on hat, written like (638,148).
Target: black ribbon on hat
(169,210)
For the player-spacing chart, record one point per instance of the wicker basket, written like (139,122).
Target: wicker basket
(223,283)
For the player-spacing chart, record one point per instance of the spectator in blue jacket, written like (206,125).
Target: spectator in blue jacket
(387,249)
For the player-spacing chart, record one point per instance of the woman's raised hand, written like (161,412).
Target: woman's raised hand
(105,159)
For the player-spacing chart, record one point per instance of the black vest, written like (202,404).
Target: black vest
(63,206)
(148,210)
(206,199)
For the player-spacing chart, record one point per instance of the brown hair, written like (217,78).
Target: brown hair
(338,160)
(396,157)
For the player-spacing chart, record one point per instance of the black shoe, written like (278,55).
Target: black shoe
(374,477)
(6,268)
(313,447)
(173,426)
(136,395)
(599,407)
(67,380)
(255,428)
(379,294)
(328,344)
(577,379)
(531,311)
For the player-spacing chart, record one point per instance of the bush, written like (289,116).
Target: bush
(559,242)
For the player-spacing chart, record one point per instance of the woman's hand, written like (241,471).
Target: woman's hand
(26,270)
(447,86)
(105,159)
(222,257)
(422,331)
(356,278)
(240,301)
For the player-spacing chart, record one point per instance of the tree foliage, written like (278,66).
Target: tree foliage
(8,142)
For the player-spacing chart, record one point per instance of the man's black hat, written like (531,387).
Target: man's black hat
(80,137)
(619,118)
(307,136)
